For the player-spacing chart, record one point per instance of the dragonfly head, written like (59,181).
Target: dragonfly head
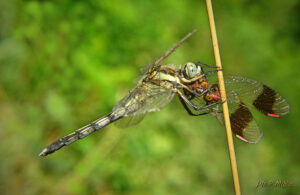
(192,70)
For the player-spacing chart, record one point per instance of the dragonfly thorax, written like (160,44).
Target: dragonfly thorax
(164,76)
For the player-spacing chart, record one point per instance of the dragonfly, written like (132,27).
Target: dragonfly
(159,83)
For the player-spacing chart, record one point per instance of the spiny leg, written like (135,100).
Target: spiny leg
(189,110)
(194,92)
(192,105)
(205,65)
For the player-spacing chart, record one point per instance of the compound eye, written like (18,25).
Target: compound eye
(191,70)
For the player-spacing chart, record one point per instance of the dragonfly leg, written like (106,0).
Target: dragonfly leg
(204,65)
(191,80)
(192,105)
(212,72)
(193,92)
(189,110)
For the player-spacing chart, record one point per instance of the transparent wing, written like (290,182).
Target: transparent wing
(146,97)
(244,93)
(255,95)
(242,122)
(200,102)
(166,53)
(129,121)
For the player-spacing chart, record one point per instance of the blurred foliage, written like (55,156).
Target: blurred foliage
(65,63)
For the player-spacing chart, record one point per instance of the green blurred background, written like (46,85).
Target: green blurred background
(65,63)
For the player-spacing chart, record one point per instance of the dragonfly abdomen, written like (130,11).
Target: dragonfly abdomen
(83,132)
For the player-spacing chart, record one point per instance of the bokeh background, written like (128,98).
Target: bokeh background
(65,63)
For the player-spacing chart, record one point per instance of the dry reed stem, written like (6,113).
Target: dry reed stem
(223,97)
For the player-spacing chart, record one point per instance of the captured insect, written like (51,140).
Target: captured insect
(158,84)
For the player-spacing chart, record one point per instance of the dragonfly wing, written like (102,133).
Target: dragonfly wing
(166,53)
(200,102)
(145,98)
(129,121)
(256,94)
(242,122)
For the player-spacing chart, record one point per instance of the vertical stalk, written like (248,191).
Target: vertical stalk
(223,97)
